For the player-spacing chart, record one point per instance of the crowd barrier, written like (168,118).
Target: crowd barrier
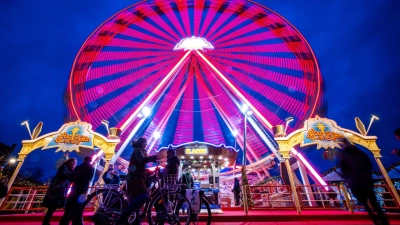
(29,199)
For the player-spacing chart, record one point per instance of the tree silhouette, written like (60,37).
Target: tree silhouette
(34,173)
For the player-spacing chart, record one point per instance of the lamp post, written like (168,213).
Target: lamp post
(246,112)
(27,127)
(288,120)
(371,121)
(235,133)
(105,123)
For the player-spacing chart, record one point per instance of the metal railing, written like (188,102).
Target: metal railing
(384,196)
(24,199)
(271,196)
(318,196)
(29,199)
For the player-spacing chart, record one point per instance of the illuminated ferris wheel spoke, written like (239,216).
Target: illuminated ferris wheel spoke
(235,90)
(251,156)
(252,152)
(159,86)
(163,122)
(161,90)
(228,109)
(178,87)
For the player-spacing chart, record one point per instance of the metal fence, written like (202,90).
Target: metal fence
(24,199)
(271,196)
(29,199)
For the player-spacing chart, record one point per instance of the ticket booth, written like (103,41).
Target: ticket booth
(204,161)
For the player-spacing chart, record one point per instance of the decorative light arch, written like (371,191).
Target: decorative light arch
(69,137)
(308,135)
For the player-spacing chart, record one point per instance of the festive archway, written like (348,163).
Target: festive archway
(69,138)
(325,133)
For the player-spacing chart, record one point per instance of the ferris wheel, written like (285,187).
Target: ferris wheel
(180,71)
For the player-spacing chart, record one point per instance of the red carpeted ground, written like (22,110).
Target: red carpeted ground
(267,217)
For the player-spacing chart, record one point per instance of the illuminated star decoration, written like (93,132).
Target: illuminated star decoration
(321,127)
(75,131)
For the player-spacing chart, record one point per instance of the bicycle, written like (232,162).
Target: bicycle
(161,206)
(204,204)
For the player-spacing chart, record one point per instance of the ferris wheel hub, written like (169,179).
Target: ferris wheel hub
(193,43)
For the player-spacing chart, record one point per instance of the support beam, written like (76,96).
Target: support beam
(388,180)
(292,186)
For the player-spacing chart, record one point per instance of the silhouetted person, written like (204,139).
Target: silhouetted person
(396,151)
(58,189)
(187,179)
(236,191)
(80,178)
(169,175)
(173,163)
(137,182)
(3,187)
(357,171)
(111,176)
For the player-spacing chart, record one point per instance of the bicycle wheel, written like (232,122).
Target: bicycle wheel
(170,213)
(203,218)
(107,204)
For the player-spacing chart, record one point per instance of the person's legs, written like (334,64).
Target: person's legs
(77,214)
(133,205)
(381,216)
(47,217)
(362,196)
(237,198)
(69,208)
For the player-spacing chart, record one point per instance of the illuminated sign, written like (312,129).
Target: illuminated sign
(196,151)
(323,132)
(71,136)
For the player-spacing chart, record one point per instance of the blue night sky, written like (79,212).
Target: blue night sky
(356,43)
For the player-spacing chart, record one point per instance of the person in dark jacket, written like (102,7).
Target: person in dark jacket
(236,191)
(80,178)
(137,182)
(187,180)
(111,176)
(357,171)
(62,178)
(173,163)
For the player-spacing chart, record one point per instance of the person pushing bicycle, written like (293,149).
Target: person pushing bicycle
(137,181)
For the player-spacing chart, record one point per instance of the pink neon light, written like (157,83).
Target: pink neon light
(233,88)
(166,110)
(184,129)
(97,156)
(136,112)
(305,162)
(69,189)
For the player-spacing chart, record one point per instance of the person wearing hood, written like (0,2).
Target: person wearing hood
(137,182)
